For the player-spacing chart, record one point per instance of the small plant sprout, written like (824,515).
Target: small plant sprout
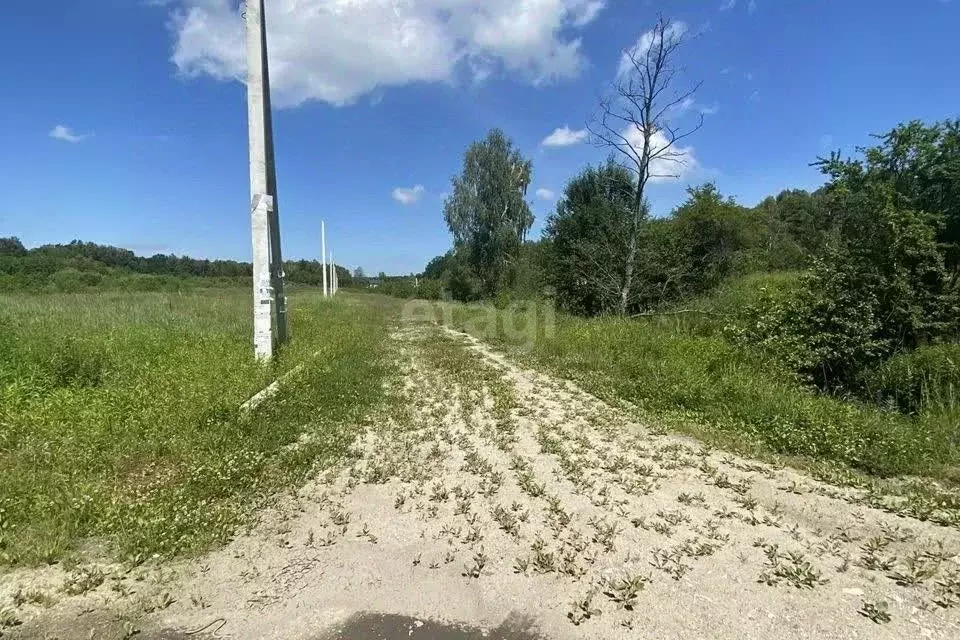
(792,568)
(670,562)
(916,569)
(475,570)
(875,610)
(582,610)
(691,499)
(82,580)
(624,590)
(947,592)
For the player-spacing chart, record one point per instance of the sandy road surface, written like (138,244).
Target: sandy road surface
(501,498)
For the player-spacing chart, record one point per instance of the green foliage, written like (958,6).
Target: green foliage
(799,225)
(927,379)
(120,414)
(921,164)
(487,213)
(825,330)
(880,286)
(707,239)
(12,247)
(440,266)
(587,239)
(714,232)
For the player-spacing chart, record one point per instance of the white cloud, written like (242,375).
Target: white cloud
(644,44)
(710,111)
(675,164)
(565,137)
(685,105)
(751,6)
(408,195)
(62,132)
(335,51)
(728,4)
(588,12)
(546,194)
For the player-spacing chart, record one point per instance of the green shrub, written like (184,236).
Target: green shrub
(71,280)
(430,289)
(927,379)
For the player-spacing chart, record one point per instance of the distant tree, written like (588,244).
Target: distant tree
(586,234)
(344,277)
(634,121)
(12,247)
(359,275)
(487,212)
(715,232)
(439,267)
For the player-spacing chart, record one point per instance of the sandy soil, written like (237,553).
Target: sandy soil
(504,499)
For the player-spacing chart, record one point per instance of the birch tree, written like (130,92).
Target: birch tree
(487,211)
(634,119)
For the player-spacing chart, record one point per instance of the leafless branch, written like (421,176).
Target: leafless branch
(634,120)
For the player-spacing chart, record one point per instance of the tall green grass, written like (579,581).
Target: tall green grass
(120,419)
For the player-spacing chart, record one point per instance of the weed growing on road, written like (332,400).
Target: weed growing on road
(792,568)
(82,580)
(878,611)
(947,593)
(625,589)
(582,610)
(475,570)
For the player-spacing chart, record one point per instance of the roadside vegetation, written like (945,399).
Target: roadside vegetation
(821,324)
(121,430)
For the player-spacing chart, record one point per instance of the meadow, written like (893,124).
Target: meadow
(121,431)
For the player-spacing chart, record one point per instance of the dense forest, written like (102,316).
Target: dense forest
(85,265)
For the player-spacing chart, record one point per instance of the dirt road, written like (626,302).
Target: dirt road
(501,499)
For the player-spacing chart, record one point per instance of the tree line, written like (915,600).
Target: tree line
(81,265)
(860,272)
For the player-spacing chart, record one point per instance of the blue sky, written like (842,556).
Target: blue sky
(123,123)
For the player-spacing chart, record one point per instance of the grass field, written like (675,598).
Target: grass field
(120,427)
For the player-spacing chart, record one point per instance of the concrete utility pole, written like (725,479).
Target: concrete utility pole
(268,297)
(333,275)
(323,255)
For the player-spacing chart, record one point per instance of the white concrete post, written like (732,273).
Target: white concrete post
(263,176)
(262,289)
(323,255)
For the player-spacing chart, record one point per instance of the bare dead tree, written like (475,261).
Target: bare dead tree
(634,120)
